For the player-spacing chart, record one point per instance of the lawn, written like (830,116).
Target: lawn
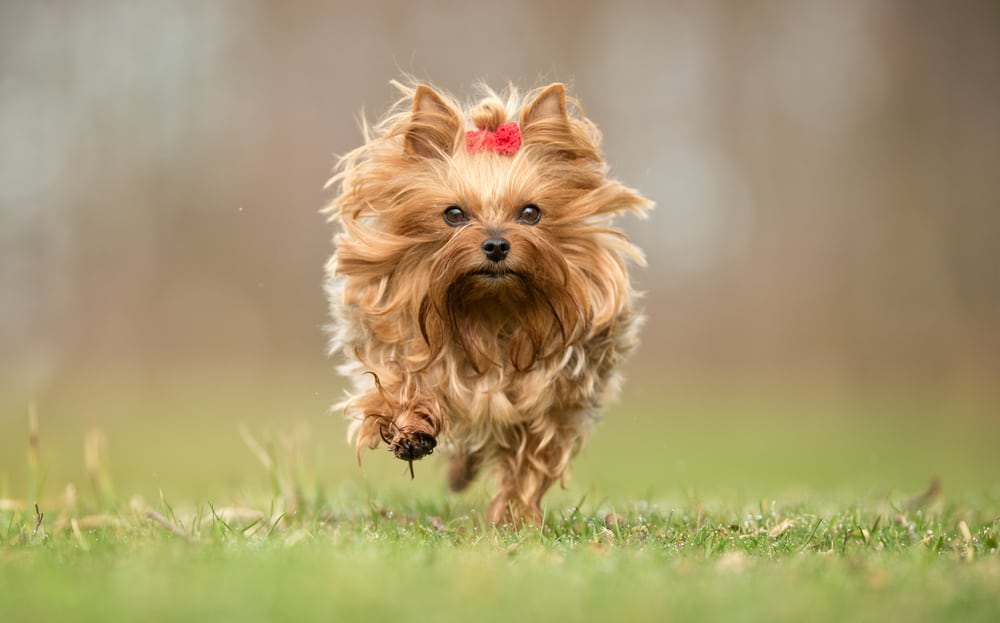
(238,500)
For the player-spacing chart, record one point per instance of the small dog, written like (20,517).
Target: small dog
(478,289)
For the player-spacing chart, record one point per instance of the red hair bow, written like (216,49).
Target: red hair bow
(505,141)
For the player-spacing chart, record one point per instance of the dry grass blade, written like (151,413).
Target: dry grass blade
(39,516)
(781,528)
(925,498)
(257,449)
(7,504)
(78,535)
(95,457)
(963,529)
(169,526)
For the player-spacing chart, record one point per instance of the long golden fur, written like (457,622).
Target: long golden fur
(506,361)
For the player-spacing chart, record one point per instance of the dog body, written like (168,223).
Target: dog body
(479,293)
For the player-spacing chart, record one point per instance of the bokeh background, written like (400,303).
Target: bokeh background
(824,257)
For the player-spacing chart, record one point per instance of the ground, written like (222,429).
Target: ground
(688,504)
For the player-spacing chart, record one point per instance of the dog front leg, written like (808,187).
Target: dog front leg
(408,421)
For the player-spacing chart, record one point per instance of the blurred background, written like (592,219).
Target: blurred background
(827,228)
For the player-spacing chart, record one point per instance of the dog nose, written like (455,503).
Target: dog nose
(496,249)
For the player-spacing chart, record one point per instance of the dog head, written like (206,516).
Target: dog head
(495,238)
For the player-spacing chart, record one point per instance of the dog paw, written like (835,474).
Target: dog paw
(410,446)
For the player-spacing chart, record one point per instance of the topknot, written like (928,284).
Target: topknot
(489,114)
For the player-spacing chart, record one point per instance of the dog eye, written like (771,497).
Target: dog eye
(454,216)
(530,214)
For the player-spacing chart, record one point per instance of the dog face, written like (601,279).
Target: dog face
(500,267)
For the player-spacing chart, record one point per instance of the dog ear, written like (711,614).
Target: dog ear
(433,126)
(546,124)
(550,105)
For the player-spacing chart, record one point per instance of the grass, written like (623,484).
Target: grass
(427,561)
(738,506)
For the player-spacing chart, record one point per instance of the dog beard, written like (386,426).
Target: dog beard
(520,312)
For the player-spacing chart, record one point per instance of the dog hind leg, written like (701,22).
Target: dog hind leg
(463,467)
(526,471)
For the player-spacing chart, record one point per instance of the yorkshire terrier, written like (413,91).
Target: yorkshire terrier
(478,288)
